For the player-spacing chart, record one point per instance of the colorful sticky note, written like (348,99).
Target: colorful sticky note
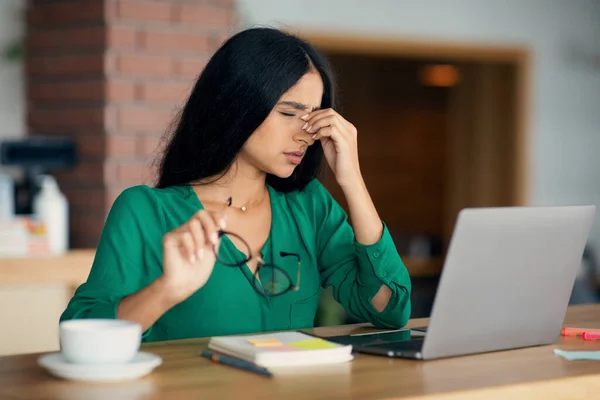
(313,344)
(578,355)
(266,342)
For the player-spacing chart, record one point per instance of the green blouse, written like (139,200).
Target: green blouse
(308,222)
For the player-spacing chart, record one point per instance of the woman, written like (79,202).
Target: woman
(238,236)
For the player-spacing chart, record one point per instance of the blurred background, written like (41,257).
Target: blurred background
(458,104)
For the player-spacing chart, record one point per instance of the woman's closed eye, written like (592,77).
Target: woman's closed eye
(287,114)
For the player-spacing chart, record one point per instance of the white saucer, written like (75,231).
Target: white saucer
(142,364)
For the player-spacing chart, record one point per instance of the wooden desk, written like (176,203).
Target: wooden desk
(530,373)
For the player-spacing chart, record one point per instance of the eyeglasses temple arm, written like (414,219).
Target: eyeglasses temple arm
(286,254)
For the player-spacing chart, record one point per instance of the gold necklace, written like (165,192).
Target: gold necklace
(243,208)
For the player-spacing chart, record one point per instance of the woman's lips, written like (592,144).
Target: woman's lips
(294,157)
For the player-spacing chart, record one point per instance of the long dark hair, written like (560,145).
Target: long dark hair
(233,95)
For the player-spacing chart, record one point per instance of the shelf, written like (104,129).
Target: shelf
(71,268)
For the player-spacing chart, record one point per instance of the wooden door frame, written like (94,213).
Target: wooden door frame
(519,56)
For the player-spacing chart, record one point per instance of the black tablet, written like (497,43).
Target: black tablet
(374,342)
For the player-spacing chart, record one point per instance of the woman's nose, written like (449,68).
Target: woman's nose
(304,137)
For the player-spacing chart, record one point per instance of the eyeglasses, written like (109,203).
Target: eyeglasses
(269,279)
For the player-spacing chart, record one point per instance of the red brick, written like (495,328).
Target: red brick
(72,39)
(67,91)
(66,13)
(134,173)
(61,65)
(189,67)
(120,90)
(118,146)
(85,228)
(140,119)
(218,41)
(138,65)
(86,174)
(91,147)
(224,3)
(135,59)
(144,11)
(165,92)
(110,171)
(111,114)
(203,15)
(83,240)
(90,173)
(82,197)
(172,42)
(149,145)
(66,118)
(111,10)
(121,37)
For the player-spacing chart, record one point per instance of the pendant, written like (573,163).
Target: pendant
(243,208)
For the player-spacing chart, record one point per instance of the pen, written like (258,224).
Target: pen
(578,331)
(236,363)
(590,335)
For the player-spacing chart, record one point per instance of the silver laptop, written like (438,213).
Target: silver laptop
(506,284)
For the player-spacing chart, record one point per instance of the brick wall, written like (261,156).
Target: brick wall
(111,74)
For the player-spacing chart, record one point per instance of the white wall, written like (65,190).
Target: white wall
(565,113)
(12,78)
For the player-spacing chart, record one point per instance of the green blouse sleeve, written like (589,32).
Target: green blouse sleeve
(355,271)
(118,269)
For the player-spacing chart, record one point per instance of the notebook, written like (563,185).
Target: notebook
(282,349)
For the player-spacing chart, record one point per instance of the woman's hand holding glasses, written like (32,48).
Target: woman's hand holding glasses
(191,251)
(188,256)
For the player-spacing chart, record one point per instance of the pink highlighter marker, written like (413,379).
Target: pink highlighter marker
(578,331)
(572,331)
(590,335)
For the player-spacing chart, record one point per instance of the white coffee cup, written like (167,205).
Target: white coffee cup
(99,341)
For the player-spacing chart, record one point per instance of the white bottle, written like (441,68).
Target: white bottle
(7,197)
(51,207)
